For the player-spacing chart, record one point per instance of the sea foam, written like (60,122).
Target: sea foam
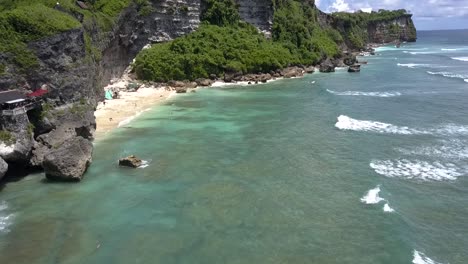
(421,258)
(453,149)
(388,209)
(144,164)
(449,74)
(370,94)
(416,169)
(412,65)
(372,196)
(5,219)
(460,58)
(348,123)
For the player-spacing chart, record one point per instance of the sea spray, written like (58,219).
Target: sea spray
(372,196)
(421,258)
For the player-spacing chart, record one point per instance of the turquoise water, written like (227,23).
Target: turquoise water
(294,171)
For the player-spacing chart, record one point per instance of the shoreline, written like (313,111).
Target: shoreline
(114,113)
(118,112)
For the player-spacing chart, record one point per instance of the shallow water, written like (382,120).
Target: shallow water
(330,168)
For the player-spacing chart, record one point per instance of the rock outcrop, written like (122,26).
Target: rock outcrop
(327,66)
(399,29)
(130,161)
(354,68)
(3,168)
(69,161)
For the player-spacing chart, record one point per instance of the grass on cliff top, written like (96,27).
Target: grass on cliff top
(23,21)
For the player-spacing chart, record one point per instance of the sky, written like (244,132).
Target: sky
(428,14)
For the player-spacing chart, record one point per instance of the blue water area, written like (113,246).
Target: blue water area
(345,167)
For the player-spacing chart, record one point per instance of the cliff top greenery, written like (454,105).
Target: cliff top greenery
(23,21)
(364,17)
(223,44)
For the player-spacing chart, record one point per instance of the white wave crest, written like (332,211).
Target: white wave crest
(372,196)
(466,80)
(388,209)
(449,74)
(453,149)
(144,164)
(421,258)
(448,49)
(347,123)
(420,170)
(460,58)
(5,219)
(370,94)
(412,65)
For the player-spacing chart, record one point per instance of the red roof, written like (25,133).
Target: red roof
(37,93)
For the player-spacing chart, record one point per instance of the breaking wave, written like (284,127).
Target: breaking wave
(416,169)
(412,65)
(370,94)
(460,58)
(348,123)
(449,75)
(372,196)
(421,258)
(448,49)
(449,149)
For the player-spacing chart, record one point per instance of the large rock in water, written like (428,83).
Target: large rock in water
(3,168)
(69,161)
(130,161)
(354,68)
(327,66)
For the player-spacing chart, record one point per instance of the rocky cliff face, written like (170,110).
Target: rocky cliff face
(258,13)
(170,19)
(400,29)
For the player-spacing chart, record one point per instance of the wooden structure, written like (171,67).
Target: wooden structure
(15,103)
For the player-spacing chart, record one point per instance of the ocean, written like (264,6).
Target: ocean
(362,168)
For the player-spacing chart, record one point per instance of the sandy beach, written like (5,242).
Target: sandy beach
(129,104)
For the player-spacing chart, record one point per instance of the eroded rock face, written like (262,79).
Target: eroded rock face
(258,13)
(3,168)
(327,66)
(19,149)
(68,123)
(69,161)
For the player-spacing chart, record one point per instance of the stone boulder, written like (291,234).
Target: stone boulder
(181,89)
(327,66)
(204,82)
(69,161)
(3,168)
(354,68)
(130,161)
(309,69)
(176,84)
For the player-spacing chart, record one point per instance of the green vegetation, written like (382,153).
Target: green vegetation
(212,50)
(7,138)
(31,128)
(224,44)
(23,21)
